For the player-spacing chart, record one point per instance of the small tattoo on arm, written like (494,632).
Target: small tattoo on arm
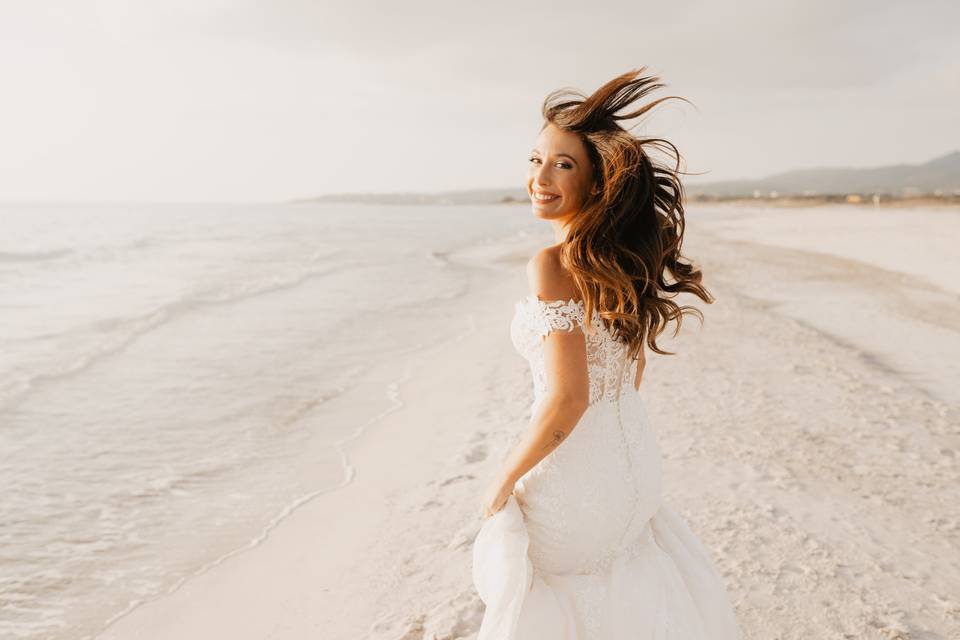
(557,438)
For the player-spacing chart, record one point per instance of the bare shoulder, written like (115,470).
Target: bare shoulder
(547,277)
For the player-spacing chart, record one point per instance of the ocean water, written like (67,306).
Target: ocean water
(175,379)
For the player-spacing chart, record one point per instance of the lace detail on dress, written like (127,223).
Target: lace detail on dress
(607,362)
(558,315)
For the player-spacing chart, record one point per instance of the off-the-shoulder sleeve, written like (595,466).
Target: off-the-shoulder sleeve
(557,315)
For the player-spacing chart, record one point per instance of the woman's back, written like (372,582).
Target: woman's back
(610,369)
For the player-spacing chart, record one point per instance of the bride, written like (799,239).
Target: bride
(576,543)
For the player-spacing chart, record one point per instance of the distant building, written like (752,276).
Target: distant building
(854,198)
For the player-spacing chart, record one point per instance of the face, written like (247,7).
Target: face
(560,169)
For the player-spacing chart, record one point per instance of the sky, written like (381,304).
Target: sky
(242,101)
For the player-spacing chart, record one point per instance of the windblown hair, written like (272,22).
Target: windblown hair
(630,230)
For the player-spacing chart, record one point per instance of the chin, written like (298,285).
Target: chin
(546,215)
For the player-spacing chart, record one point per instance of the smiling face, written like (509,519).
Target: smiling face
(560,170)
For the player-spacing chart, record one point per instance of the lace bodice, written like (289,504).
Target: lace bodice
(608,362)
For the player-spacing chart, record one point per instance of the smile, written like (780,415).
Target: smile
(544,197)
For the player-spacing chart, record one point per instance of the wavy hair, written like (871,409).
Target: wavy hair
(630,230)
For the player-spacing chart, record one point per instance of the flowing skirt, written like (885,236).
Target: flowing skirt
(585,549)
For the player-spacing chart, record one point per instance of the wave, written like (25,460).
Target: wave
(74,256)
(35,256)
(341,446)
(127,330)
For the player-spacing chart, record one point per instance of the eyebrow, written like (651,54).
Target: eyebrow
(563,155)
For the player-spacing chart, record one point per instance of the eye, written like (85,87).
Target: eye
(565,165)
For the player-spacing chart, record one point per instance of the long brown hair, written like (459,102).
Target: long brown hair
(630,229)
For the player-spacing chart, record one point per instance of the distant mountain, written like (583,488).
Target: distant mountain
(938,175)
(476,196)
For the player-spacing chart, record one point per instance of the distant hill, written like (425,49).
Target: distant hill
(940,175)
(476,196)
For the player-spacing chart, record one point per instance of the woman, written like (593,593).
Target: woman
(576,544)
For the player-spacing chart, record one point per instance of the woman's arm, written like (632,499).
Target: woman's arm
(553,421)
(641,365)
(567,391)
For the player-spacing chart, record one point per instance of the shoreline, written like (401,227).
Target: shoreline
(159,617)
(340,446)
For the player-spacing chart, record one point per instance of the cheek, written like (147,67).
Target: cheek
(574,187)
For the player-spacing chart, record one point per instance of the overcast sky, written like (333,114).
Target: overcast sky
(202,100)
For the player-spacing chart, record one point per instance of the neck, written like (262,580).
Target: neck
(559,230)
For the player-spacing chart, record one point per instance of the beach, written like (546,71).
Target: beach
(810,430)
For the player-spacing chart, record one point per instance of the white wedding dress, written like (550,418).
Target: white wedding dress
(585,549)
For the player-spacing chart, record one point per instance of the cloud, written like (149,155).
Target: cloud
(234,98)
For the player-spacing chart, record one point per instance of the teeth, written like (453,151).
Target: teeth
(539,196)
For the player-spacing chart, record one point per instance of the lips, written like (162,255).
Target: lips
(550,197)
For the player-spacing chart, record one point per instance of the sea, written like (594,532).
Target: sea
(177,379)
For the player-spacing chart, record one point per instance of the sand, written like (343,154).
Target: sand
(821,471)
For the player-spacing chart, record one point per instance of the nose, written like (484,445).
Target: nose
(538,181)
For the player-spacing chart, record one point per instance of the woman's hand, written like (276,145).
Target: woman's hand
(495,497)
